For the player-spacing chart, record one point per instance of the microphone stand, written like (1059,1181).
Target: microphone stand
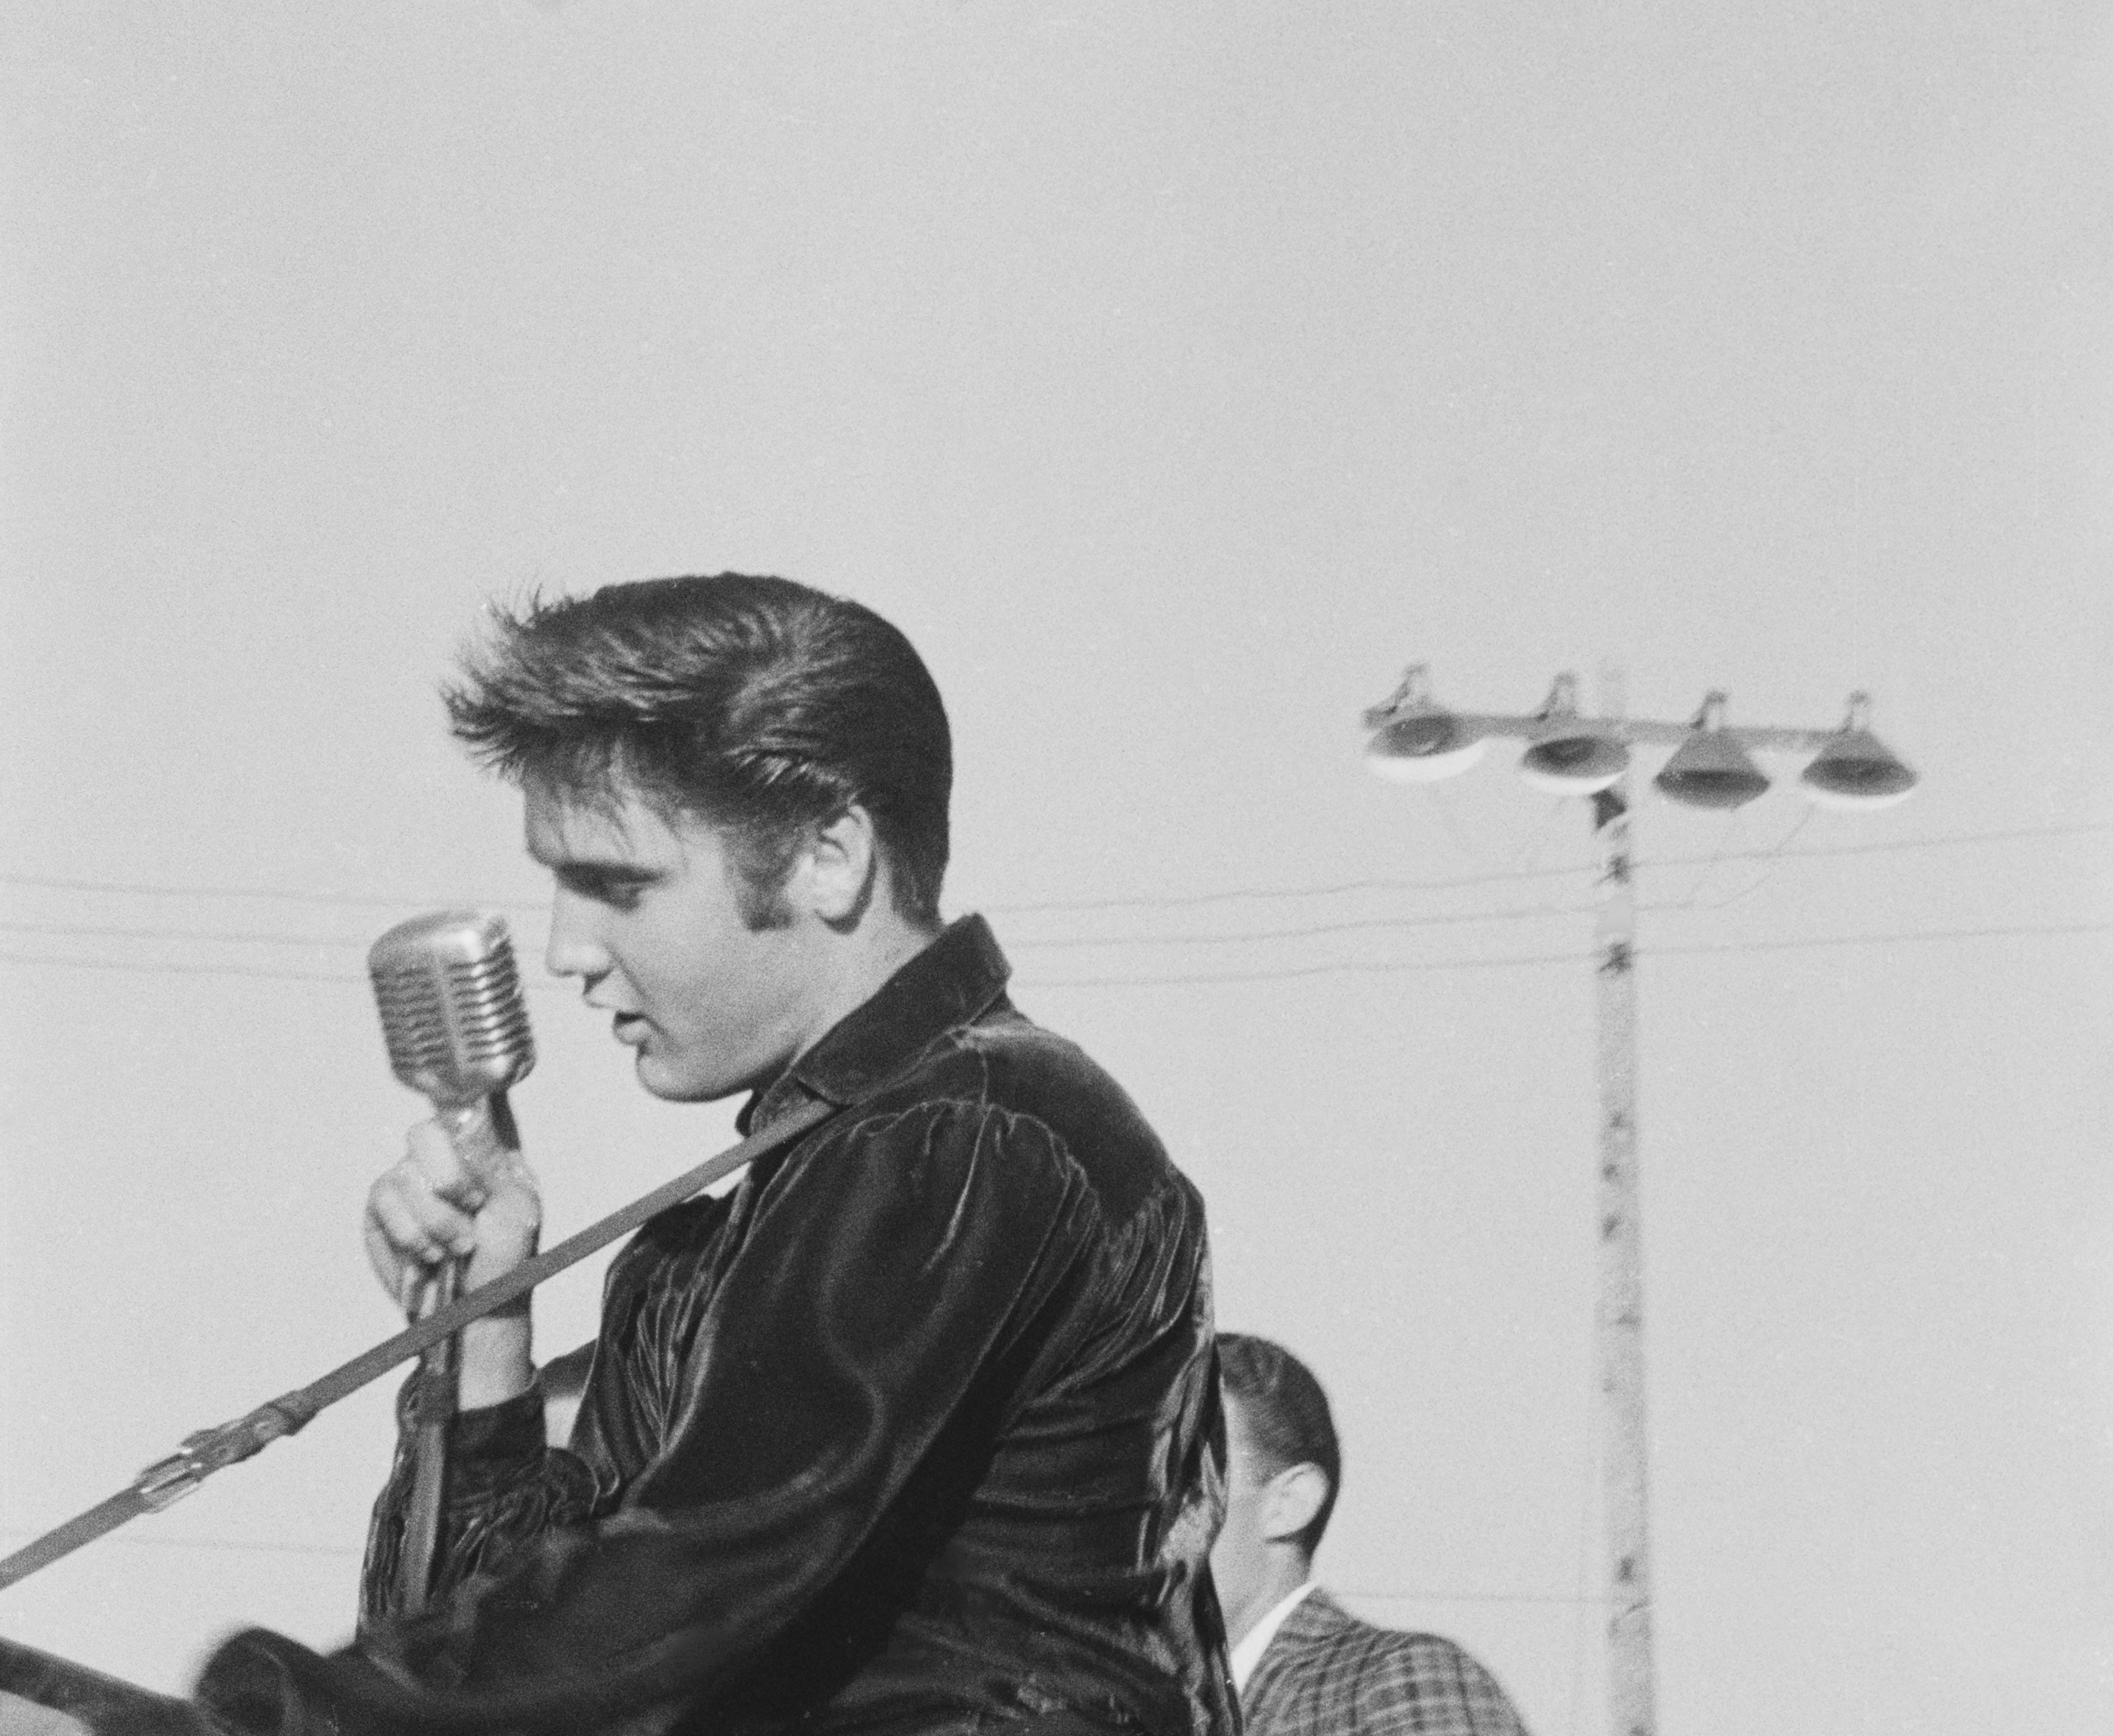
(486,1137)
(436,1396)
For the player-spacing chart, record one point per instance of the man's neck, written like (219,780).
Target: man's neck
(1287,1570)
(858,965)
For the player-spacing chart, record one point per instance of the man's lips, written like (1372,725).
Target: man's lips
(628,1027)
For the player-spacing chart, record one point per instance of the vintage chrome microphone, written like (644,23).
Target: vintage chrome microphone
(457,1031)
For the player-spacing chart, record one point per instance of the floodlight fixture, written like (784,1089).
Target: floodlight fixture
(1568,755)
(1855,770)
(1710,768)
(1415,740)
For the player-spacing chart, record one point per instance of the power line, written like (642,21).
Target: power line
(1352,967)
(1416,967)
(148,889)
(1355,967)
(175,934)
(1942,841)
(1227,937)
(1361,925)
(1191,900)
(1141,901)
(242,1546)
(158,968)
(1182,900)
(1881,939)
(1223,937)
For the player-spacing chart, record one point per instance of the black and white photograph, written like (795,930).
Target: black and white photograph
(930,868)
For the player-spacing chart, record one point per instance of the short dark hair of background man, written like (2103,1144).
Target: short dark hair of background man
(1304,1665)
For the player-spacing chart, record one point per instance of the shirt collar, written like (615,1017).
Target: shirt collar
(959,977)
(1248,1652)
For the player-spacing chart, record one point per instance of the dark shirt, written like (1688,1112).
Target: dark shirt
(916,1428)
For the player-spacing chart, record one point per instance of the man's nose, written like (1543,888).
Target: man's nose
(575,949)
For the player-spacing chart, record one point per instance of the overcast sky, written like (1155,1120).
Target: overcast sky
(1174,374)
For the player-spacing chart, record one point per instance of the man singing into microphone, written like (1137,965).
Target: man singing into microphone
(915,1431)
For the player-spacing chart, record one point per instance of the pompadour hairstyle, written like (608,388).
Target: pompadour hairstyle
(1286,1413)
(757,705)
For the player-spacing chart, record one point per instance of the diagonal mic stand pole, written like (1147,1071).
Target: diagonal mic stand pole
(167,1481)
(435,1397)
(485,1135)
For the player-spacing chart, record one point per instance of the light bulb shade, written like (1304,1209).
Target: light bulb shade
(1856,770)
(1574,762)
(1711,770)
(1422,748)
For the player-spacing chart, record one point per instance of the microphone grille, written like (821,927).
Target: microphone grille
(452,1013)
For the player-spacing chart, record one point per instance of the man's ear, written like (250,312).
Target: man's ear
(840,863)
(1294,1495)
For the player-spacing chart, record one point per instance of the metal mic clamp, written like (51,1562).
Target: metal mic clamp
(166,1481)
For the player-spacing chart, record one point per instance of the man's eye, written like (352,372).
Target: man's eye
(617,894)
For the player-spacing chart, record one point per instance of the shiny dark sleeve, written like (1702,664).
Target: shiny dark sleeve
(883,1268)
(505,1488)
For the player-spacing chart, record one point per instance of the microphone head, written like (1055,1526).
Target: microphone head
(452,1014)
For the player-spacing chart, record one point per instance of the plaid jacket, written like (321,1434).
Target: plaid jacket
(1327,1674)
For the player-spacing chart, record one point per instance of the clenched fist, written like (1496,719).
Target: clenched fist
(440,1202)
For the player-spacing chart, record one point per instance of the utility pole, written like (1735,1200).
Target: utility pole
(1632,1684)
(1415,740)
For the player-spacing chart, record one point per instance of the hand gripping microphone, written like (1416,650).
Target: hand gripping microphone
(457,1031)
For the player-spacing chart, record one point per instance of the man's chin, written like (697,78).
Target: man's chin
(670,1086)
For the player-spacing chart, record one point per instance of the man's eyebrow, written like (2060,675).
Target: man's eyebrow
(588,871)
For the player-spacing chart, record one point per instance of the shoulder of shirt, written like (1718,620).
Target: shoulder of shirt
(1399,1646)
(1392,1668)
(1323,1624)
(1007,1073)
(679,1229)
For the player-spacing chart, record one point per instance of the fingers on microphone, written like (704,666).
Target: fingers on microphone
(417,1222)
(433,1153)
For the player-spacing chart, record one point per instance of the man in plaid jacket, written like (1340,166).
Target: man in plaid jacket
(1304,1666)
